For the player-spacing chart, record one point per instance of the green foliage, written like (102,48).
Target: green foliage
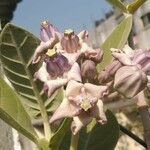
(17,48)
(12,111)
(59,135)
(132,7)
(103,137)
(116,39)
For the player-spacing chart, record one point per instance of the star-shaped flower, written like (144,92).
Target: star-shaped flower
(82,102)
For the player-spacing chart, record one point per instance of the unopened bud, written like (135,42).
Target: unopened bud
(130,80)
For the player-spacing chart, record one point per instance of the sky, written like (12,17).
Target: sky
(64,14)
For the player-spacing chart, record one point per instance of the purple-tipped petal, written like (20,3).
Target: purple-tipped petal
(48,31)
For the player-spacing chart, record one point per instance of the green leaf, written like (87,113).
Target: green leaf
(118,4)
(132,7)
(17,47)
(59,134)
(12,112)
(103,137)
(116,39)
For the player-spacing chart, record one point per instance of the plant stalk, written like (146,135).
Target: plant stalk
(145,116)
(74,142)
(132,135)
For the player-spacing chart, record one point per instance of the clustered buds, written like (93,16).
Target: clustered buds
(69,61)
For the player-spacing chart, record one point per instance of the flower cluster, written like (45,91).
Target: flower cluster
(62,65)
(69,61)
(129,69)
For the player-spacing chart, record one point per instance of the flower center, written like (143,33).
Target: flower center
(68,32)
(51,52)
(85,105)
(45,24)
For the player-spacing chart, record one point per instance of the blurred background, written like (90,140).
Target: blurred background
(99,18)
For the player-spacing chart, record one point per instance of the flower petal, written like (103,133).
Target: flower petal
(80,121)
(128,50)
(66,109)
(42,48)
(123,58)
(95,90)
(98,112)
(83,35)
(42,73)
(75,73)
(51,86)
(73,88)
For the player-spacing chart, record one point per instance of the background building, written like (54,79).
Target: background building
(141,26)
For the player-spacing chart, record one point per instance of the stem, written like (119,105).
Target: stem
(132,135)
(145,116)
(74,142)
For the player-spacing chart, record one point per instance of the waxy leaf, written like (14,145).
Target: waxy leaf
(17,47)
(12,112)
(132,7)
(100,137)
(59,134)
(103,137)
(117,39)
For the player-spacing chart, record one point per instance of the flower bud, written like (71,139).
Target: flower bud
(70,41)
(47,31)
(88,70)
(130,80)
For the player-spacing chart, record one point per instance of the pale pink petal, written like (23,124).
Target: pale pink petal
(95,90)
(42,73)
(94,54)
(123,58)
(66,109)
(128,50)
(74,73)
(73,88)
(72,57)
(98,112)
(83,35)
(52,85)
(42,48)
(80,121)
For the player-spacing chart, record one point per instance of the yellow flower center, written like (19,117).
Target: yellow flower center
(44,24)
(85,105)
(51,52)
(68,32)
